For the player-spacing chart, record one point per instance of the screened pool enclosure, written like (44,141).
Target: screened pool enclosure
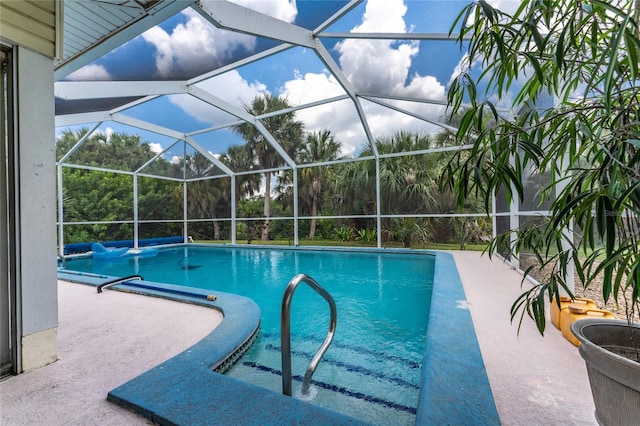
(184,122)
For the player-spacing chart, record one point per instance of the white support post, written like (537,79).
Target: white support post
(378,207)
(185,229)
(60,213)
(136,235)
(233,209)
(494,218)
(295,207)
(567,232)
(185,225)
(514,220)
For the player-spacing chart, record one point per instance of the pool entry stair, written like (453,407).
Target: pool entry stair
(350,379)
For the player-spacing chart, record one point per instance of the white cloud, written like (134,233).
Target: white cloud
(230,87)
(461,67)
(378,66)
(197,44)
(155,147)
(385,123)
(193,45)
(422,87)
(91,72)
(372,66)
(285,10)
(383,16)
(233,88)
(311,87)
(382,66)
(508,6)
(105,134)
(340,120)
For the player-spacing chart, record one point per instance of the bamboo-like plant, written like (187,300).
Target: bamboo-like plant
(585,55)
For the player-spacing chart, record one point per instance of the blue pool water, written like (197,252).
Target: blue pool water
(372,370)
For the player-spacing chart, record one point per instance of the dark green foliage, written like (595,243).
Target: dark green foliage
(96,196)
(408,186)
(345,233)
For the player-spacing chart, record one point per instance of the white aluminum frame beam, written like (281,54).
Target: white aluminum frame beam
(304,106)
(209,156)
(235,65)
(413,114)
(244,115)
(229,16)
(392,36)
(79,143)
(134,122)
(155,157)
(74,90)
(339,14)
(145,125)
(82,118)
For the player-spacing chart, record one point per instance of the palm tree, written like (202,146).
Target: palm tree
(238,158)
(407,183)
(319,146)
(67,140)
(284,129)
(207,198)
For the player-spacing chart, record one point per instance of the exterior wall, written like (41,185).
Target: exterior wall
(32,23)
(34,28)
(37,205)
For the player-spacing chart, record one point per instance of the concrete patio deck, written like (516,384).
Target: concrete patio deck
(535,380)
(104,340)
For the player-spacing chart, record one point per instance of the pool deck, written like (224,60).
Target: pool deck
(534,380)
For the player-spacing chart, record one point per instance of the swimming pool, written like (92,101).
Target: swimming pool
(371,371)
(454,387)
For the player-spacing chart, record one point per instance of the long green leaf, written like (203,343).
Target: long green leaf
(614,47)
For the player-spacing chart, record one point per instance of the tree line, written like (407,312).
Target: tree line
(408,186)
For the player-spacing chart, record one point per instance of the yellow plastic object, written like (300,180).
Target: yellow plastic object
(564,302)
(575,312)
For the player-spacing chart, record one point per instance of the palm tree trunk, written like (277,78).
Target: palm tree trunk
(267,206)
(216,229)
(314,212)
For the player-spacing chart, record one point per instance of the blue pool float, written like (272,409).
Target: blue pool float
(102,252)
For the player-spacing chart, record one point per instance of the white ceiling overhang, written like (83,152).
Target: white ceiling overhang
(92,28)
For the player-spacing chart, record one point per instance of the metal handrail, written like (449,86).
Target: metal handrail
(62,259)
(285,333)
(118,281)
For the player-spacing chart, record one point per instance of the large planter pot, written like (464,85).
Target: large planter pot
(614,378)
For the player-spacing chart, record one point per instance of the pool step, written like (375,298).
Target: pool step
(339,389)
(359,378)
(352,368)
(398,370)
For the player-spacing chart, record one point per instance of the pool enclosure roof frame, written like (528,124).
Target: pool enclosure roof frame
(228,16)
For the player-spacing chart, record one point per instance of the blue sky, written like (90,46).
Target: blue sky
(186,45)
